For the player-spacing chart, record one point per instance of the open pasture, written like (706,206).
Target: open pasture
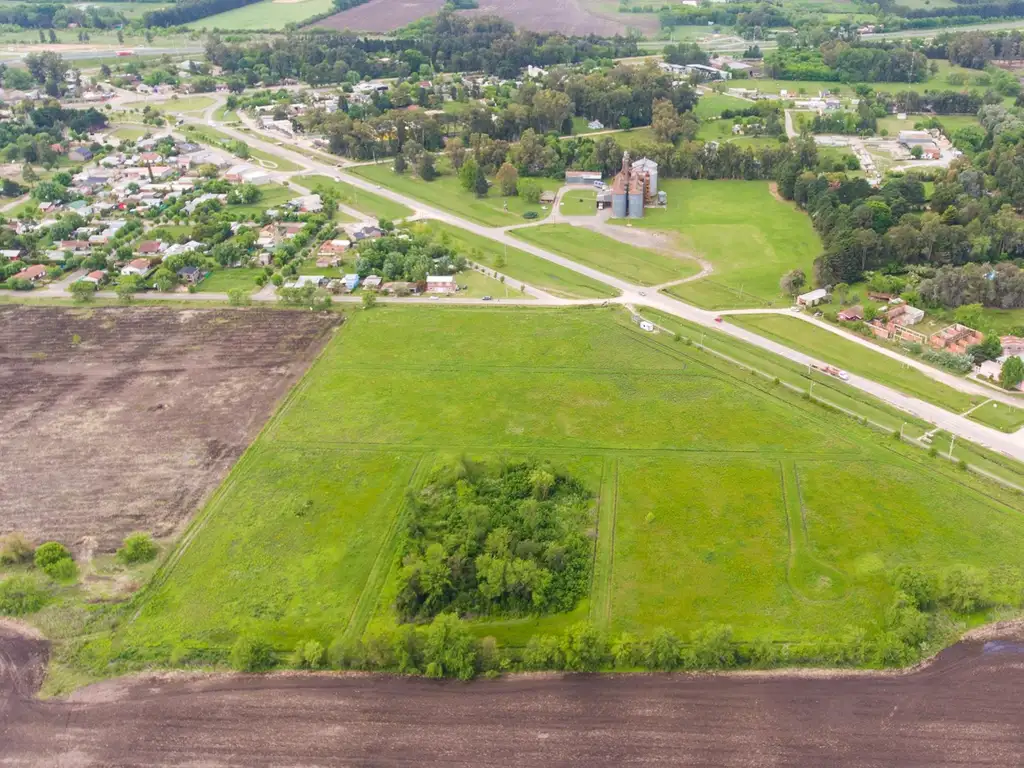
(717,497)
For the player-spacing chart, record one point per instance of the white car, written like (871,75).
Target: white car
(843,375)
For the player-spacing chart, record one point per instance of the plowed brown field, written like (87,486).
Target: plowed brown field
(123,419)
(571,17)
(964,710)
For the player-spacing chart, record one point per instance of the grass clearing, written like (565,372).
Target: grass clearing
(750,238)
(368,202)
(175,104)
(268,15)
(446,192)
(523,266)
(224,280)
(729,499)
(638,265)
(1003,417)
(832,348)
(711,105)
(272,195)
(579,202)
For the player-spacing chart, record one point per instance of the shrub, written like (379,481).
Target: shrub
(543,652)
(530,215)
(137,548)
(249,655)
(63,570)
(449,648)
(49,553)
(664,651)
(15,549)
(963,589)
(309,654)
(712,647)
(919,586)
(22,594)
(584,648)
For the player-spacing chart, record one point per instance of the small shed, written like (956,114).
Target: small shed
(812,298)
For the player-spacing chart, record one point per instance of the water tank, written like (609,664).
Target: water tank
(636,205)
(619,205)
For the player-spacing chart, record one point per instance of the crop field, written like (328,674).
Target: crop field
(374,205)
(637,265)
(716,497)
(270,15)
(750,238)
(523,266)
(88,391)
(570,17)
(446,192)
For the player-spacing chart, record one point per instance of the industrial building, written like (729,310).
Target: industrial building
(634,187)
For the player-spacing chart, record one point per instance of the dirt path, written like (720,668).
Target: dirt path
(963,710)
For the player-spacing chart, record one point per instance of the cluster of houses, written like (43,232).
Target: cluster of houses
(1013,346)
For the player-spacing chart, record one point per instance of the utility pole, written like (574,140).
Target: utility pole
(951,442)
(901,430)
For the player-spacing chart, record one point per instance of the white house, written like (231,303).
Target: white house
(441,284)
(812,298)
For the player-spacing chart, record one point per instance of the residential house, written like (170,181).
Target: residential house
(304,280)
(80,154)
(308,204)
(190,275)
(333,247)
(324,262)
(140,267)
(400,288)
(95,277)
(150,248)
(852,313)
(75,246)
(441,284)
(149,158)
(372,282)
(364,232)
(11,254)
(178,248)
(1013,346)
(351,281)
(32,273)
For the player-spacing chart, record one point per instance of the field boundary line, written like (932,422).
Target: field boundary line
(863,419)
(370,594)
(604,546)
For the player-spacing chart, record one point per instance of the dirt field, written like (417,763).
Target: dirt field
(962,711)
(566,16)
(123,419)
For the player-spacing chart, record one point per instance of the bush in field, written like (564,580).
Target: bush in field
(63,570)
(15,549)
(22,594)
(249,655)
(309,654)
(49,555)
(449,648)
(137,548)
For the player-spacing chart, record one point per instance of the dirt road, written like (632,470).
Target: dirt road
(964,710)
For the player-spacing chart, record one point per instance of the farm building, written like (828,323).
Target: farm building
(852,313)
(635,186)
(138,267)
(304,280)
(812,298)
(441,284)
(582,177)
(922,139)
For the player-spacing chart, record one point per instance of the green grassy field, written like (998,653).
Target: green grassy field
(175,105)
(1001,416)
(579,201)
(446,193)
(133,132)
(637,265)
(367,202)
(720,498)
(266,15)
(850,355)
(710,105)
(749,237)
(523,266)
(272,195)
(224,280)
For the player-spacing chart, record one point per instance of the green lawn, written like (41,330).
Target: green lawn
(1000,415)
(711,105)
(719,497)
(272,196)
(368,202)
(523,266)
(850,355)
(637,265)
(476,285)
(225,115)
(222,280)
(267,15)
(579,201)
(175,105)
(750,238)
(133,132)
(446,192)
(208,135)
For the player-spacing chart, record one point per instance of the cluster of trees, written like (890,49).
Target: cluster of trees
(29,139)
(407,256)
(45,15)
(976,49)
(446,42)
(843,61)
(495,541)
(186,11)
(1000,285)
